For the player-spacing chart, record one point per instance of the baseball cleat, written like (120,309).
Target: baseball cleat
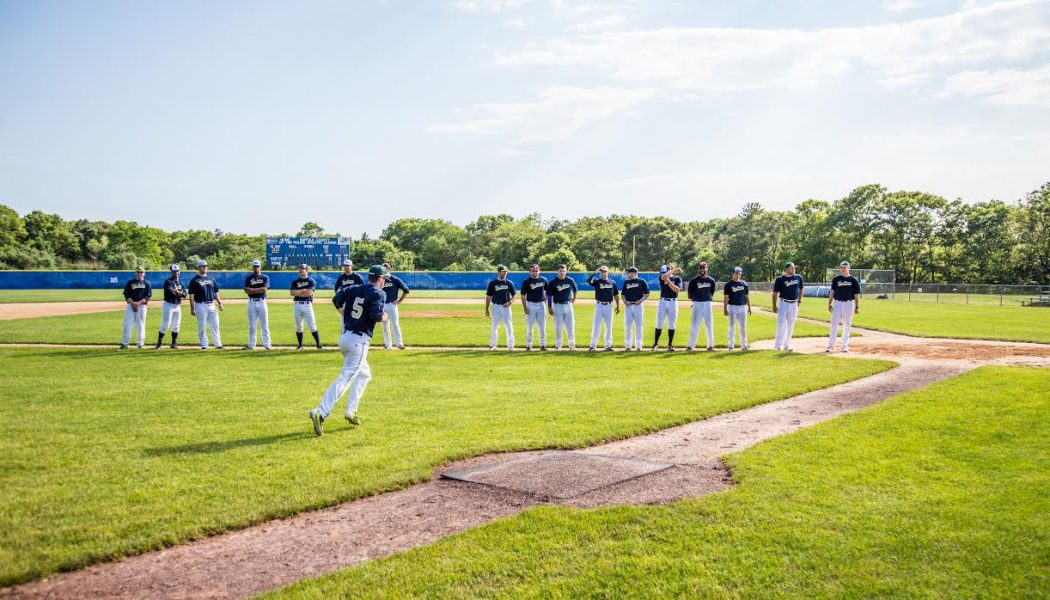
(123,347)
(845,349)
(828,350)
(745,348)
(543,348)
(528,348)
(573,348)
(710,348)
(157,347)
(492,347)
(317,420)
(267,348)
(789,350)
(247,348)
(352,419)
(219,347)
(608,349)
(670,348)
(204,347)
(400,346)
(653,348)
(689,348)
(298,347)
(591,349)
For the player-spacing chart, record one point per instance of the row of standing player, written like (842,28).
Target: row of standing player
(540,297)
(203,296)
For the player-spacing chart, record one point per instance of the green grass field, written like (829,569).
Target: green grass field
(938,493)
(107,454)
(422,324)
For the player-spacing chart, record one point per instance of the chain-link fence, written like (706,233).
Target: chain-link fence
(945,293)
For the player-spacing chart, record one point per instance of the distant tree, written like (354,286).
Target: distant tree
(311,229)
(12,229)
(1032,223)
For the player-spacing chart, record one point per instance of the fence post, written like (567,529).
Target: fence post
(937,293)
(1000,295)
(909,292)
(967,294)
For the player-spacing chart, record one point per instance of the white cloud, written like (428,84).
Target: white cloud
(606,22)
(901,5)
(488,6)
(515,23)
(1008,87)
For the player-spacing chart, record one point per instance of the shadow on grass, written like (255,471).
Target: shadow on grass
(225,445)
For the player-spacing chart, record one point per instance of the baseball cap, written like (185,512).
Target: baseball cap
(737,270)
(664,269)
(844,263)
(140,269)
(202,263)
(348,263)
(632,269)
(303,266)
(789,264)
(377,270)
(603,268)
(174,267)
(256,263)
(501,268)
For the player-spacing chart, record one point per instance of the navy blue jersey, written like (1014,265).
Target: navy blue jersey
(666,291)
(634,289)
(345,280)
(702,289)
(173,291)
(735,293)
(203,288)
(392,286)
(254,281)
(561,290)
(502,292)
(534,288)
(789,288)
(136,290)
(845,288)
(363,308)
(301,283)
(604,289)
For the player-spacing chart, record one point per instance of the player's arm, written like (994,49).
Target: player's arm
(149,294)
(524,305)
(800,290)
(488,302)
(513,293)
(670,281)
(404,291)
(856,298)
(574,290)
(616,298)
(725,298)
(831,297)
(193,310)
(747,299)
(218,300)
(375,308)
(776,294)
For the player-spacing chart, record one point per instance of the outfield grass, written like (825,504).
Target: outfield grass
(938,493)
(422,324)
(105,454)
(11,296)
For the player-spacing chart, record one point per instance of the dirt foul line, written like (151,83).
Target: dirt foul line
(266,556)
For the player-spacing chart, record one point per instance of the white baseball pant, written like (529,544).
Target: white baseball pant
(603,313)
(171,317)
(702,316)
(632,325)
(304,311)
(666,310)
(501,314)
(258,311)
(132,319)
(841,310)
(537,317)
(392,324)
(207,315)
(787,312)
(564,320)
(738,318)
(354,377)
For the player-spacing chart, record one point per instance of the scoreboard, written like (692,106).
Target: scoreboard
(316,252)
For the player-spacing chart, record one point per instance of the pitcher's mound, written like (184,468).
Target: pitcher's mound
(558,474)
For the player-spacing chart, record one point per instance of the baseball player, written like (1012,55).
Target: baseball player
(561,295)
(701,290)
(255,285)
(302,291)
(205,304)
(171,308)
(635,293)
(500,295)
(392,286)
(787,288)
(667,310)
(843,303)
(736,304)
(533,302)
(137,293)
(605,293)
(361,307)
(347,277)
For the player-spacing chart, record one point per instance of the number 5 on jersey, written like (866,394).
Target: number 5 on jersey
(358,308)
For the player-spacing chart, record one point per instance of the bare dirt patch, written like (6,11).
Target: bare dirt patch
(29,310)
(941,350)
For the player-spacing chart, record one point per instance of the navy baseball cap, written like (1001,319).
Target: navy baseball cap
(737,270)
(501,268)
(632,269)
(377,270)
(844,263)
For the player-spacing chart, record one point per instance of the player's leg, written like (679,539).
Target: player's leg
(596,324)
(129,320)
(708,317)
(570,323)
(353,355)
(508,324)
(297,312)
(176,322)
(357,388)
(165,322)
(140,322)
(743,328)
(732,326)
(494,334)
(311,322)
(264,323)
(253,314)
(202,323)
(778,335)
(541,320)
(847,321)
(836,314)
(672,322)
(695,318)
(559,323)
(386,327)
(530,322)
(213,324)
(395,325)
(792,316)
(628,327)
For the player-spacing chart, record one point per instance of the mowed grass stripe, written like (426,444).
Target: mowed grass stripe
(105,454)
(937,493)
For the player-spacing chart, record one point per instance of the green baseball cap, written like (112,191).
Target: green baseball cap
(501,268)
(844,263)
(377,270)
(789,265)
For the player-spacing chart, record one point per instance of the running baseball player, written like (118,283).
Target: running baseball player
(392,287)
(205,304)
(605,293)
(171,309)
(843,303)
(787,298)
(347,277)
(667,310)
(137,293)
(500,295)
(361,307)
(635,293)
(256,285)
(701,290)
(533,302)
(736,304)
(302,291)
(561,296)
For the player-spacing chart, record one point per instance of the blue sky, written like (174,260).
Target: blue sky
(259,116)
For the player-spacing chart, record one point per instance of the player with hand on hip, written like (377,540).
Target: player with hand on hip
(255,285)
(843,303)
(635,293)
(788,290)
(533,301)
(500,295)
(392,324)
(347,277)
(561,296)
(302,291)
(171,309)
(204,298)
(701,290)
(667,310)
(361,307)
(736,304)
(137,293)
(605,293)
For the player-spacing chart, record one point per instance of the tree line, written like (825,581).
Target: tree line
(924,237)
